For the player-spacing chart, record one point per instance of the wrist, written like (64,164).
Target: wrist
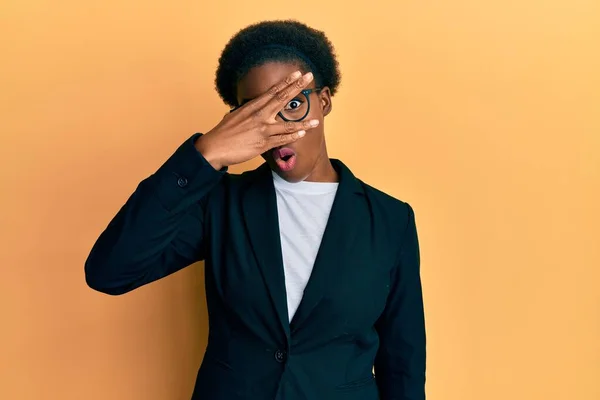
(207,150)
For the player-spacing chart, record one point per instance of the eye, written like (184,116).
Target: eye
(293,104)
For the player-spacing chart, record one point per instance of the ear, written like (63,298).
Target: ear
(325,99)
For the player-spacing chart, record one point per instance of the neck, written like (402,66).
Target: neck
(323,171)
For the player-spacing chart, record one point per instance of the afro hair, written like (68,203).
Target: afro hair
(276,41)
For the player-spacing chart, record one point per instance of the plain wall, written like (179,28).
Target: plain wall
(484,115)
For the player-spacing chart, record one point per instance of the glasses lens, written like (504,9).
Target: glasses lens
(297,108)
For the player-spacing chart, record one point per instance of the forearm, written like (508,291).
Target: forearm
(158,230)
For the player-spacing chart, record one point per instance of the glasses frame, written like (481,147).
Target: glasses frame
(305,92)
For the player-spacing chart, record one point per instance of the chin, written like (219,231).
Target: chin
(293,176)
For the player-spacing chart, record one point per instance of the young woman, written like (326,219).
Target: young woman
(312,276)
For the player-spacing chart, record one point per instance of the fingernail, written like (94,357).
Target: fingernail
(301,133)
(314,122)
(296,74)
(309,76)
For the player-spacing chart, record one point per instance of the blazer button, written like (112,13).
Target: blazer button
(280,356)
(182,182)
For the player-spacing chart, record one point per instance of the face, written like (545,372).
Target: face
(310,152)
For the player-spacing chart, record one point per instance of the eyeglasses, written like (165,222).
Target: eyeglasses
(296,109)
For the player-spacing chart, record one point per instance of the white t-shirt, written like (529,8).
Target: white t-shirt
(303,209)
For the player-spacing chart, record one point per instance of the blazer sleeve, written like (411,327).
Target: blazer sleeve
(159,230)
(400,361)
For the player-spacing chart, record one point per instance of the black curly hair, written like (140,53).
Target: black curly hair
(278,40)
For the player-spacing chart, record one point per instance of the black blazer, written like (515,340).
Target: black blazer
(362,306)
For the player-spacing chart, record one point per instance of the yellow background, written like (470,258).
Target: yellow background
(484,115)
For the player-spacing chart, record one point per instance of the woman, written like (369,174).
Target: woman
(312,276)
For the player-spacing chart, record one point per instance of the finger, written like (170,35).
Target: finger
(280,97)
(280,140)
(281,128)
(256,105)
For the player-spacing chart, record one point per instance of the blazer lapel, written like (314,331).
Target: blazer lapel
(347,215)
(262,223)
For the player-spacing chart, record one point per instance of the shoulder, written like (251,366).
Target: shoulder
(391,215)
(395,217)
(397,210)
(247,178)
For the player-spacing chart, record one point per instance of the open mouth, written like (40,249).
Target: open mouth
(285,158)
